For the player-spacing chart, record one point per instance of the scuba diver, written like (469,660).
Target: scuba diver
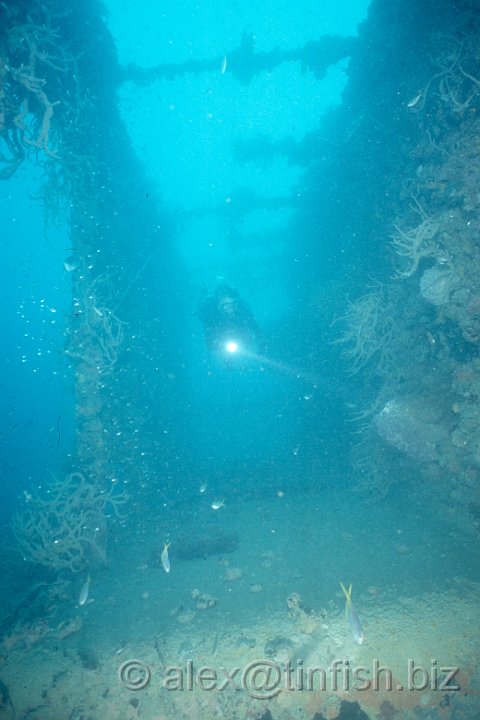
(228,323)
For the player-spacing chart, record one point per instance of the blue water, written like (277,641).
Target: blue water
(37,388)
(266,472)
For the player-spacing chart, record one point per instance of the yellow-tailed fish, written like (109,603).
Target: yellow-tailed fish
(351,615)
(165,559)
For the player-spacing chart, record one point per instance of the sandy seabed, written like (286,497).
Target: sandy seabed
(210,669)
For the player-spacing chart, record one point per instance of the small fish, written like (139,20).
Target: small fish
(165,559)
(217,504)
(351,615)
(223,66)
(415,100)
(431,338)
(203,487)
(83,597)
(70,264)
